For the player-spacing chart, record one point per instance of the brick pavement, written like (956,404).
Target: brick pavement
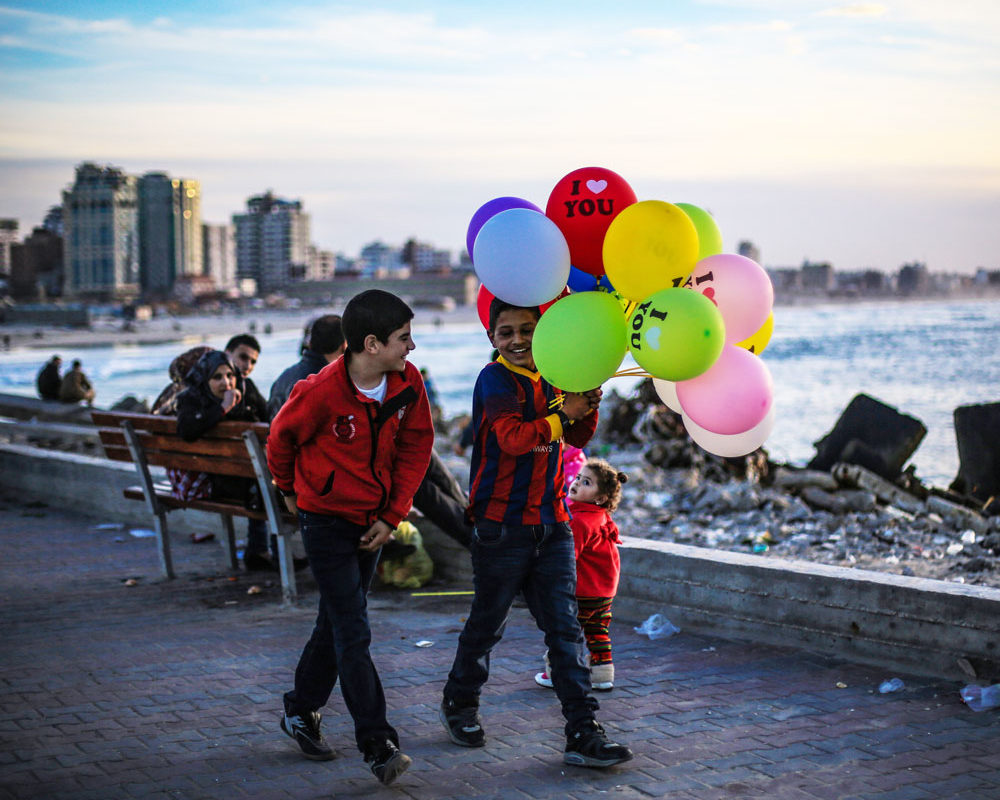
(172,690)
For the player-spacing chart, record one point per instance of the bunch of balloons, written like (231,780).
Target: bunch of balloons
(613,275)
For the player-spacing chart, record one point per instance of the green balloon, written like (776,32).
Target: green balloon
(709,236)
(676,334)
(579,341)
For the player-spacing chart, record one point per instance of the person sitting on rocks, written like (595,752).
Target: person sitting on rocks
(49,380)
(75,386)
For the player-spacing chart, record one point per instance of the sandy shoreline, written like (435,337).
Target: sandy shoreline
(107,331)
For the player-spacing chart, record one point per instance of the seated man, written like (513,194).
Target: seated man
(76,387)
(49,380)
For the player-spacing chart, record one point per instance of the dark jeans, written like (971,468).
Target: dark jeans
(538,560)
(339,643)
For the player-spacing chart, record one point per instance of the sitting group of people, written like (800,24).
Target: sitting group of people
(73,387)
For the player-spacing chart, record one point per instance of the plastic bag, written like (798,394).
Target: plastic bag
(657,627)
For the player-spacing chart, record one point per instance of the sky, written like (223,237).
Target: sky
(862,134)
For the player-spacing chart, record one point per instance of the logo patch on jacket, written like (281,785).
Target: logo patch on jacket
(344,427)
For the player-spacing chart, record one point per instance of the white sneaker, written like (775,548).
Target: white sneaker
(543,679)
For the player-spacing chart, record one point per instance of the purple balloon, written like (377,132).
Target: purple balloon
(490,209)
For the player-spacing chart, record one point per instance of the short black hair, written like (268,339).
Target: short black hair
(498,306)
(242,338)
(373,312)
(76,363)
(326,334)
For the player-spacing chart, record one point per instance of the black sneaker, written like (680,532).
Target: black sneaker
(588,746)
(463,724)
(259,562)
(304,729)
(386,761)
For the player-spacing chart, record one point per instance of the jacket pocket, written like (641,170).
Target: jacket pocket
(329,483)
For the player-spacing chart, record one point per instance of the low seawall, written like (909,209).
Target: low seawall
(908,624)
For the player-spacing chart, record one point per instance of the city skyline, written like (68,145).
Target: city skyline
(858,134)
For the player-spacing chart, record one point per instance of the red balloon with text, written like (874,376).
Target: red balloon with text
(582,205)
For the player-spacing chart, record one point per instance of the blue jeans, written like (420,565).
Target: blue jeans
(538,560)
(340,640)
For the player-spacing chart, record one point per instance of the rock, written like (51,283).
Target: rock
(818,498)
(871,434)
(977,432)
(957,515)
(854,475)
(785,478)
(858,499)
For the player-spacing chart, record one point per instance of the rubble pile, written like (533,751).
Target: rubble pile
(846,516)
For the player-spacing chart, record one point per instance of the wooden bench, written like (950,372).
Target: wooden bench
(229,448)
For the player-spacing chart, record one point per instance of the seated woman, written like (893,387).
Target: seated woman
(214,392)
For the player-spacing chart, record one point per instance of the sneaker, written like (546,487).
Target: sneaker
(602,677)
(304,729)
(387,762)
(463,724)
(588,746)
(259,562)
(543,679)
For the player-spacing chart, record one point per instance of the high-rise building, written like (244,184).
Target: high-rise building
(219,247)
(272,242)
(36,269)
(101,224)
(380,260)
(8,238)
(169,231)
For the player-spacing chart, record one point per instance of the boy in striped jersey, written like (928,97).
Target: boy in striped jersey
(522,540)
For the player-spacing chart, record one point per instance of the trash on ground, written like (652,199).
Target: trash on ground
(424,643)
(142,533)
(841,685)
(130,582)
(255,589)
(891,685)
(110,526)
(657,627)
(981,698)
(198,538)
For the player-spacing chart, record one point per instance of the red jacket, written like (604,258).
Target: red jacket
(598,564)
(348,456)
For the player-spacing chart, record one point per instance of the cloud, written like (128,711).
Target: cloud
(856,10)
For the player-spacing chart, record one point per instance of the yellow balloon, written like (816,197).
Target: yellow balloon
(651,245)
(758,341)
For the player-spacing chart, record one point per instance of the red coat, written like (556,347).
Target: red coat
(345,454)
(598,564)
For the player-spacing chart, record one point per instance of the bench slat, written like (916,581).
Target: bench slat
(224,448)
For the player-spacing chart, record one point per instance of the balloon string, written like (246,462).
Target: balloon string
(632,373)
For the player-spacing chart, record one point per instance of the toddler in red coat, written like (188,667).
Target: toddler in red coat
(593,495)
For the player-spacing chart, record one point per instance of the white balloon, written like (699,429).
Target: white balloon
(733,444)
(522,257)
(667,392)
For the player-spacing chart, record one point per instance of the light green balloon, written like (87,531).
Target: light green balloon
(709,236)
(676,334)
(579,341)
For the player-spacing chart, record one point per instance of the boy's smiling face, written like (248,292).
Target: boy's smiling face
(512,334)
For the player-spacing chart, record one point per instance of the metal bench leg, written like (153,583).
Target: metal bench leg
(230,543)
(286,567)
(163,544)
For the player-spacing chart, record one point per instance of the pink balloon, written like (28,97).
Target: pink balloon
(732,396)
(732,445)
(740,288)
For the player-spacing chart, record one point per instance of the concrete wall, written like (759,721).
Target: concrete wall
(910,624)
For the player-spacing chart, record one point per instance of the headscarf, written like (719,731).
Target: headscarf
(204,368)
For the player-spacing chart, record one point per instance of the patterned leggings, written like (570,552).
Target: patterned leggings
(595,616)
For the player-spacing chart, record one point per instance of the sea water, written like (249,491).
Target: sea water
(923,358)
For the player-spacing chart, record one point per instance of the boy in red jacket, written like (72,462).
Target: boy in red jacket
(347,451)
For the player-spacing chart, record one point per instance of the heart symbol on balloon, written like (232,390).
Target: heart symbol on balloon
(653,338)
(597,186)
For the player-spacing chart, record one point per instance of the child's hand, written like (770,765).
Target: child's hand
(376,536)
(594,396)
(230,399)
(576,405)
